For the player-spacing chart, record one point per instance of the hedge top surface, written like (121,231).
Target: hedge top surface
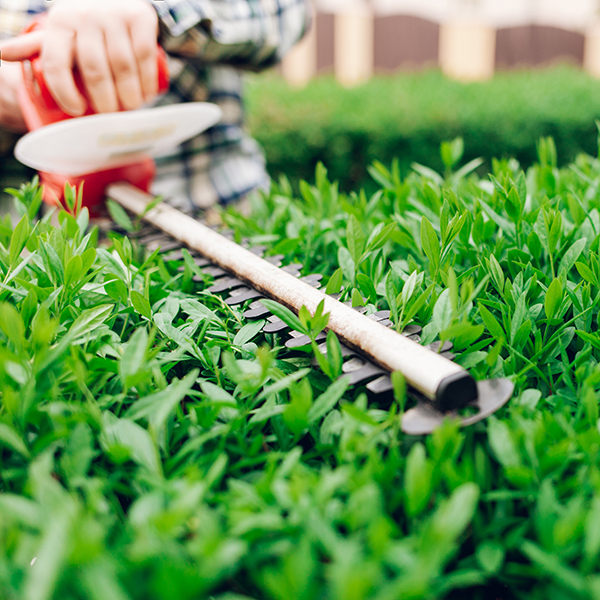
(408,115)
(155,445)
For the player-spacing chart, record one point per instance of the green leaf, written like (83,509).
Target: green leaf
(555,232)
(11,439)
(51,555)
(18,240)
(586,273)
(497,274)
(534,244)
(430,243)
(490,556)
(248,332)
(366,287)
(158,406)
(141,304)
(455,514)
(570,257)
(134,356)
(551,566)
(119,216)
(380,236)
(418,481)
(296,413)
(73,270)
(117,290)
(518,316)
(408,289)
(592,531)
(491,323)
(282,384)
(285,314)
(357,299)
(334,285)
(442,311)
(346,263)
(328,399)
(513,205)
(12,324)
(502,443)
(355,238)
(88,321)
(136,440)
(553,299)
(334,354)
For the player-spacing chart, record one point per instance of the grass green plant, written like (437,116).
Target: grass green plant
(155,445)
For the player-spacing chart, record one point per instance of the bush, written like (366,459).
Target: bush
(155,445)
(408,115)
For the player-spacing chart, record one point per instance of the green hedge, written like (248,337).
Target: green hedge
(408,115)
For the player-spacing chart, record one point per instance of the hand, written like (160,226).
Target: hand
(11,118)
(113,44)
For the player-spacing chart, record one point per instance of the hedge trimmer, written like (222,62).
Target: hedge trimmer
(112,153)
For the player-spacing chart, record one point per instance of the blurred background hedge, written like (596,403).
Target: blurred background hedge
(408,115)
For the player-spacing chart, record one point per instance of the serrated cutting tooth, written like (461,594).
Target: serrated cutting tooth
(258,250)
(304,340)
(293,269)
(199,262)
(445,347)
(165,246)
(275,260)
(227,283)
(368,371)
(214,271)
(412,329)
(275,326)
(381,385)
(354,364)
(345,350)
(242,295)
(257,311)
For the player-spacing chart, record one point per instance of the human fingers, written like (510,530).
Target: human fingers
(144,33)
(57,64)
(124,66)
(95,69)
(22,46)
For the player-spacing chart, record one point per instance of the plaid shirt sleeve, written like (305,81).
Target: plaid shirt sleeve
(250,34)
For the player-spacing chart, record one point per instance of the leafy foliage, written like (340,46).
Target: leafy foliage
(154,444)
(408,116)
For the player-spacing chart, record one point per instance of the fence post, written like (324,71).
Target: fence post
(591,53)
(354,45)
(467,50)
(299,66)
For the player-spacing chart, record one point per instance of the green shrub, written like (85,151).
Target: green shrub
(154,445)
(408,115)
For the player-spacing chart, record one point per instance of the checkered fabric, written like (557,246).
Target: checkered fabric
(210,43)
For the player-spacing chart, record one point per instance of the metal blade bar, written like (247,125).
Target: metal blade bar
(446,384)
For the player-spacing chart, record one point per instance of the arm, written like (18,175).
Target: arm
(247,34)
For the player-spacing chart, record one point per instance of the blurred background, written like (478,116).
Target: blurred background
(385,79)
(392,79)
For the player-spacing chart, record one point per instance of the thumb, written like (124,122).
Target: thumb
(21,47)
